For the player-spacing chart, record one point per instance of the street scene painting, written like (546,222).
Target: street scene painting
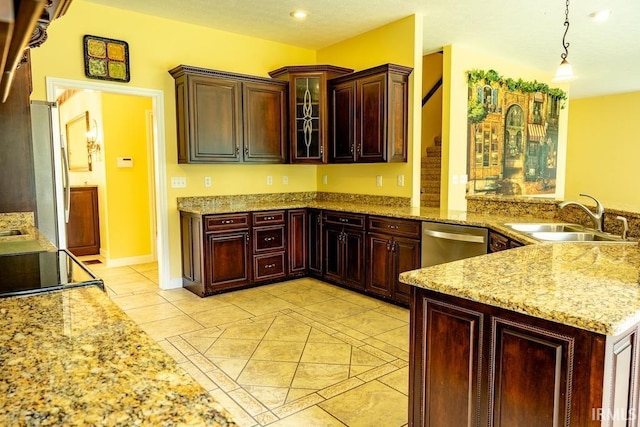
(512,135)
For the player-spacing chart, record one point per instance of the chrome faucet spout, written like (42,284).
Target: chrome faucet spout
(597,217)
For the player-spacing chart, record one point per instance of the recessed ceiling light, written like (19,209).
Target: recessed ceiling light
(601,15)
(299,14)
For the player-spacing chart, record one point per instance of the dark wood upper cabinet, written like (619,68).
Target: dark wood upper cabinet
(229,118)
(369,115)
(309,110)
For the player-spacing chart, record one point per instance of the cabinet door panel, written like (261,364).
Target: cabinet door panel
(342,122)
(379,265)
(333,253)
(406,257)
(297,241)
(215,120)
(227,259)
(542,373)
(83,229)
(265,122)
(371,119)
(451,344)
(397,122)
(315,245)
(353,268)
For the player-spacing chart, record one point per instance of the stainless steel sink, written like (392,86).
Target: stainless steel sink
(563,232)
(571,236)
(6,233)
(534,227)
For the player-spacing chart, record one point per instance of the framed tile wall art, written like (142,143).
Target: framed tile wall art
(106,59)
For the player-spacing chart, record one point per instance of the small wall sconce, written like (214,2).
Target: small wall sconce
(93,146)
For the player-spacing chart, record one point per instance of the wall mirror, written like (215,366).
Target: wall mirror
(77,129)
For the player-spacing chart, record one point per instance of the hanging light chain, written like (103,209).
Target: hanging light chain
(565,44)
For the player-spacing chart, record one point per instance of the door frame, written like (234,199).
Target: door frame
(159,160)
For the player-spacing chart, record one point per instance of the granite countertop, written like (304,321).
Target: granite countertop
(73,358)
(589,286)
(30,240)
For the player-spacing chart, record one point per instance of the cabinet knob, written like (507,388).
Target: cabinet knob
(237,150)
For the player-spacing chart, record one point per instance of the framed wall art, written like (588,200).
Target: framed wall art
(106,59)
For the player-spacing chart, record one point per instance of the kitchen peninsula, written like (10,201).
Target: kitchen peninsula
(540,335)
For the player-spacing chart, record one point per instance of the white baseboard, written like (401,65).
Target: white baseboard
(122,262)
(174,283)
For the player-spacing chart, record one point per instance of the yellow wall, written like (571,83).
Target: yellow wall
(155,46)
(457,61)
(128,205)
(432,110)
(392,43)
(603,151)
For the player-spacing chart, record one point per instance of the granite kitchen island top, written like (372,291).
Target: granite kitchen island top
(73,358)
(589,286)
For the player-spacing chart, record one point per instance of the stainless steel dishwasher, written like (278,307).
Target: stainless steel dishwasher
(448,242)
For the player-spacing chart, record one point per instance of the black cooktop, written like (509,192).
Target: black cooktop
(35,272)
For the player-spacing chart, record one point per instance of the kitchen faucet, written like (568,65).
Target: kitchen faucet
(597,218)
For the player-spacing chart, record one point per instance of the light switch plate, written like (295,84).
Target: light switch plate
(325,179)
(285,179)
(400,180)
(379,181)
(178,182)
(269,180)
(207,181)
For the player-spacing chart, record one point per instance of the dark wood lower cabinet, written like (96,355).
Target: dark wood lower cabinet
(477,365)
(297,242)
(83,228)
(227,261)
(315,242)
(344,255)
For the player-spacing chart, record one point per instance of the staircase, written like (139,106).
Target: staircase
(430,176)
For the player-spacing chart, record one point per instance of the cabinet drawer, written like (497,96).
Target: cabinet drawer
(349,220)
(395,227)
(497,242)
(268,218)
(268,238)
(226,222)
(269,266)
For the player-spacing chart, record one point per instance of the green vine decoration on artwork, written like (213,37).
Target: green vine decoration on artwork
(476,112)
(492,76)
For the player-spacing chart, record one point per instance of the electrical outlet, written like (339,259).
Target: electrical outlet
(325,179)
(178,182)
(269,180)
(454,179)
(379,181)
(207,181)
(285,180)
(400,180)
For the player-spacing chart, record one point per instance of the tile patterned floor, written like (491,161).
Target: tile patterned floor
(296,353)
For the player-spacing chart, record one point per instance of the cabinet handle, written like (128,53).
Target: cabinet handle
(237,150)
(269,266)
(246,238)
(269,218)
(246,151)
(394,247)
(343,220)
(388,246)
(392,227)
(268,239)
(351,148)
(228,221)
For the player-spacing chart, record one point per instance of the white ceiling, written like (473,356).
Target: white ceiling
(605,56)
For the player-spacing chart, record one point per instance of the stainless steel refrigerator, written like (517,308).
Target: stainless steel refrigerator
(51,172)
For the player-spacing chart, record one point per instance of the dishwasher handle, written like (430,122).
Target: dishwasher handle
(454,236)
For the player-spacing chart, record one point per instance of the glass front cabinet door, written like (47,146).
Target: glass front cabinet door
(308,109)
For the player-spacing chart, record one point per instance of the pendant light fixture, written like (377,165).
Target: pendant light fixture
(564,72)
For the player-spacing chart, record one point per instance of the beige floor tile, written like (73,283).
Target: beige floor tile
(317,335)
(335,309)
(162,329)
(267,373)
(251,331)
(152,313)
(398,380)
(202,339)
(310,417)
(284,328)
(182,345)
(138,300)
(282,351)
(341,387)
(299,393)
(305,297)
(326,353)
(232,348)
(124,278)
(319,375)
(372,323)
(110,272)
(355,370)
(247,402)
(152,275)
(191,306)
(265,304)
(172,351)
(149,266)
(372,404)
(271,397)
(239,415)
(388,348)
(198,375)
(395,311)
(398,337)
(231,367)
(298,405)
(361,357)
(220,316)
(138,286)
(363,301)
(177,294)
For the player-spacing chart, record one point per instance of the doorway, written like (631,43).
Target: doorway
(152,122)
